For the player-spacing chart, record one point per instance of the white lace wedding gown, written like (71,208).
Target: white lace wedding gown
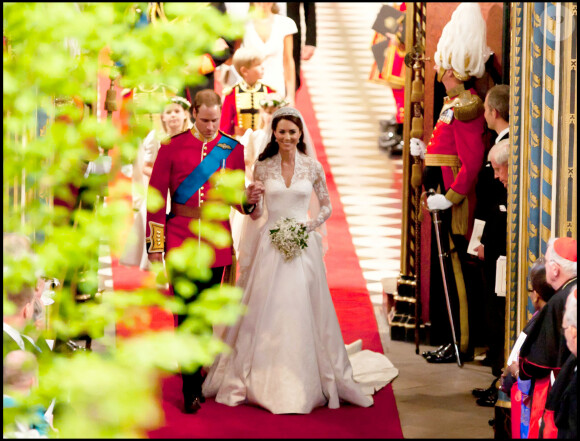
(288,354)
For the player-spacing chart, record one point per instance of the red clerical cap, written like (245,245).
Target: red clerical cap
(566,247)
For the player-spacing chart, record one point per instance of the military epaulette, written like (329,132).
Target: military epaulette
(181,133)
(269,87)
(227,90)
(469,106)
(228,136)
(166,140)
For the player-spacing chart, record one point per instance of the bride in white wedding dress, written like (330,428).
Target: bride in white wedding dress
(287,352)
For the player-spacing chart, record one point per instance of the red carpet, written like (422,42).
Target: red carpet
(357,320)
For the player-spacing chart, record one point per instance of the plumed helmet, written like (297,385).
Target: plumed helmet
(462,46)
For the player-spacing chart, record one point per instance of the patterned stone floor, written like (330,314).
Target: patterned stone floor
(434,401)
(348,107)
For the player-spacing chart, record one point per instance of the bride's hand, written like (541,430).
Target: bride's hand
(308,226)
(254,192)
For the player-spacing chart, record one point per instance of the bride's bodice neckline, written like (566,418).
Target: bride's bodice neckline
(286,184)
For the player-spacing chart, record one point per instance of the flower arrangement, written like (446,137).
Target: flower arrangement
(181,101)
(289,237)
(273,100)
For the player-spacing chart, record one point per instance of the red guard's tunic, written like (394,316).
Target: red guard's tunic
(175,161)
(394,73)
(457,147)
(241,107)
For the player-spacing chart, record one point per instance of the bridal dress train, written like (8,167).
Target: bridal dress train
(287,352)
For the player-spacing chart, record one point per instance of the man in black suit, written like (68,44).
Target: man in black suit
(306,52)
(492,209)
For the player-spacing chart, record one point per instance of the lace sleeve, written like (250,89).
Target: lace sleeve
(259,175)
(323,197)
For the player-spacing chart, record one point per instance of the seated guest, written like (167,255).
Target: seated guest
(540,293)
(544,350)
(561,415)
(19,377)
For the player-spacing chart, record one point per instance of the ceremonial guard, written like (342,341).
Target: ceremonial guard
(453,159)
(184,166)
(391,73)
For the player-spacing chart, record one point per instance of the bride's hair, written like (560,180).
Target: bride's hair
(272,147)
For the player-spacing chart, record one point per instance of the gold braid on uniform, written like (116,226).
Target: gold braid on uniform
(468,106)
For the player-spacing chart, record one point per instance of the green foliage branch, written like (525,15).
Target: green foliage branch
(52,53)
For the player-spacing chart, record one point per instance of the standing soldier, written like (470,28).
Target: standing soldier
(453,159)
(184,167)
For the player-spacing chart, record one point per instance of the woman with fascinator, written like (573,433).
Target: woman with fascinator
(288,355)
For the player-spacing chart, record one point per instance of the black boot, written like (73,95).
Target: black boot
(437,351)
(191,405)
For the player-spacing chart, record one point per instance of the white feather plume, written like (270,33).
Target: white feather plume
(462,46)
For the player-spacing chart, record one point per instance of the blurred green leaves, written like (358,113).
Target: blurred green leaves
(54,52)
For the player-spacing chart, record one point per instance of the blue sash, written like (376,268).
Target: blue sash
(200,175)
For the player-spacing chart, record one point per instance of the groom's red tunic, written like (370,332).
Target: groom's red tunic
(175,161)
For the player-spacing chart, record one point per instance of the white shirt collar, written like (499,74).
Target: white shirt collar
(14,334)
(500,134)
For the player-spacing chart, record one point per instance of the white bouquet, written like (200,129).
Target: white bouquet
(289,237)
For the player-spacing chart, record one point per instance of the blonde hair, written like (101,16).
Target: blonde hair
(275,8)
(246,57)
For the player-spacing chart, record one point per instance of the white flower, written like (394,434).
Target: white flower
(181,101)
(289,237)
(273,100)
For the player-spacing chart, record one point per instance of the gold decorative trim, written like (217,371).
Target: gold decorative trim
(454,197)
(439,159)
(524,238)
(156,239)
(567,178)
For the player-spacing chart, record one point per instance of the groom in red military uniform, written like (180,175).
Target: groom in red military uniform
(184,166)
(453,159)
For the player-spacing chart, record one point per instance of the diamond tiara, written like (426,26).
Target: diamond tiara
(286,111)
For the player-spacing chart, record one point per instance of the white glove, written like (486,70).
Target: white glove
(438,202)
(127,170)
(100,166)
(418,147)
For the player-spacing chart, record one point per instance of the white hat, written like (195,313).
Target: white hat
(462,46)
